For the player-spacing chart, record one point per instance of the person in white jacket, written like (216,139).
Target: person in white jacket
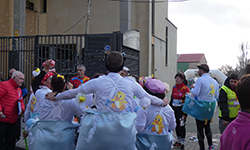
(154,123)
(114,96)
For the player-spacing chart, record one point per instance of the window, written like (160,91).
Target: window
(166,46)
(29,5)
(44,6)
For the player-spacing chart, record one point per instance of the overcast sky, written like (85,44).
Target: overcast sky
(213,27)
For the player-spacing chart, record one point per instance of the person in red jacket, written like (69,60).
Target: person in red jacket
(11,105)
(177,100)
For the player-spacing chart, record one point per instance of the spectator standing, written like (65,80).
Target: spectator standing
(11,105)
(80,78)
(23,87)
(228,102)
(125,72)
(205,89)
(236,135)
(177,100)
(24,94)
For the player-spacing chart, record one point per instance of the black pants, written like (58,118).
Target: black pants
(180,130)
(19,128)
(200,134)
(8,134)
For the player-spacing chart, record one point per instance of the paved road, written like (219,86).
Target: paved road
(191,132)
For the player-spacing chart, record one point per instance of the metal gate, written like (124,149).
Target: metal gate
(24,53)
(97,44)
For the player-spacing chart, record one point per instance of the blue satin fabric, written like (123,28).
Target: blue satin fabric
(32,115)
(107,131)
(154,142)
(48,135)
(199,109)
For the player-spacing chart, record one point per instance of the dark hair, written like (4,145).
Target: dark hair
(234,76)
(242,91)
(136,78)
(247,70)
(96,75)
(57,83)
(159,95)
(182,76)
(114,61)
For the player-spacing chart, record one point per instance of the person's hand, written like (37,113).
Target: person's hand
(2,115)
(192,86)
(165,101)
(225,123)
(25,133)
(21,111)
(47,65)
(50,96)
(184,117)
(69,85)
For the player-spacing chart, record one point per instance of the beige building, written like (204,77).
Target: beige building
(157,35)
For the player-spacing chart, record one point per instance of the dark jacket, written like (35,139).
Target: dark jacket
(223,102)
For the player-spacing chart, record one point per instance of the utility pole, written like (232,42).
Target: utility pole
(87,21)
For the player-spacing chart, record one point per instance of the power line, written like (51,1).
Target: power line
(136,1)
(139,1)
(75,23)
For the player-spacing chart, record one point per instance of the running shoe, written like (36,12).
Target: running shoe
(210,147)
(177,144)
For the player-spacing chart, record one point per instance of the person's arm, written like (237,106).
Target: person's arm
(172,123)
(66,95)
(3,91)
(141,120)
(171,100)
(223,105)
(85,89)
(217,92)
(28,109)
(24,90)
(37,81)
(155,100)
(196,90)
(77,109)
(141,93)
(22,106)
(20,99)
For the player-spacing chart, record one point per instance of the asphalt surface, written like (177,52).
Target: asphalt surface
(191,142)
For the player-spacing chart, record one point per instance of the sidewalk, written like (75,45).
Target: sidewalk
(194,145)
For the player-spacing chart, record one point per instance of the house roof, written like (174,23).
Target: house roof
(189,57)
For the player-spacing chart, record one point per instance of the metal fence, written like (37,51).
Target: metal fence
(24,53)
(27,52)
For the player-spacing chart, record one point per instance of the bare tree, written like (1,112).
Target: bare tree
(243,59)
(227,70)
(243,62)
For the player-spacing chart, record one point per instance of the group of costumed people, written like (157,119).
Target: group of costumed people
(126,115)
(116,112)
